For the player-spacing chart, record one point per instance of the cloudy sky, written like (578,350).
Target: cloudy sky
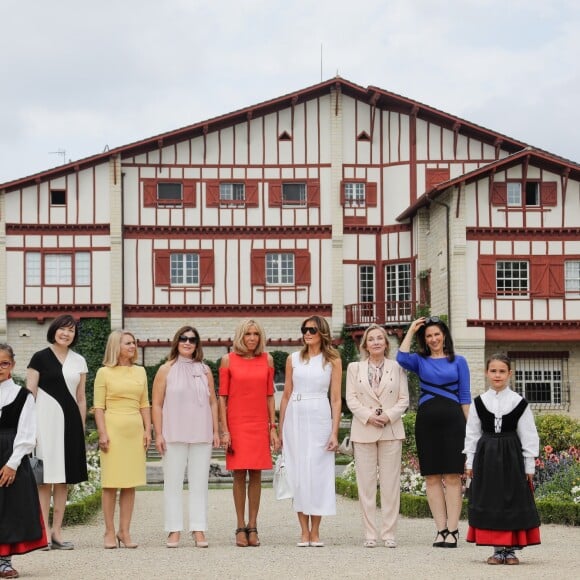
(80,76)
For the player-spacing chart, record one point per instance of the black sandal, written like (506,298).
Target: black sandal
(256,543)
(455,535)
(444,533)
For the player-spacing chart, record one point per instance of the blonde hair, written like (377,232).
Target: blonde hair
(113,348)
(329,353)
(238,345)
(364,352)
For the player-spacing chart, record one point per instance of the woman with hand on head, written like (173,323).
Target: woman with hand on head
(309,426)
(247,414)
(440,424)
(21,523)
(56,377)
(123,419)
(185,419)
(378,395)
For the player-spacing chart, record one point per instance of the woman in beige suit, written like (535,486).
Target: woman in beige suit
(378,395)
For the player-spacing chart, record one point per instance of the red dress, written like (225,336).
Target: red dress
(247,383)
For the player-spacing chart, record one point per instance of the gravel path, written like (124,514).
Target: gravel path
(279,558)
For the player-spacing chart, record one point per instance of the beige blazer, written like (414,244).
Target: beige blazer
(392,397)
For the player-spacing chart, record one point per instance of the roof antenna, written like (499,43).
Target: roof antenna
(59,152)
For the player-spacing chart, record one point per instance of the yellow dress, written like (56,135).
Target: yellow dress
(122,392)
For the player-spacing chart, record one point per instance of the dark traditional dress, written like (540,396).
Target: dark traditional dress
(501,510)
(21,525)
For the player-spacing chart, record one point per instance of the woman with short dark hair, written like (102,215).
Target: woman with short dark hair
(56,376)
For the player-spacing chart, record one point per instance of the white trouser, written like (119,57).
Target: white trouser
(196,456)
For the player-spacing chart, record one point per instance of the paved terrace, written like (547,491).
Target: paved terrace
(278,558)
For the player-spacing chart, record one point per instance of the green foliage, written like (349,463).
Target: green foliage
(409,443)
(93,335)
(559,431)
(279,357)
(82,511)
(151,371)
(348,348)
(214,367)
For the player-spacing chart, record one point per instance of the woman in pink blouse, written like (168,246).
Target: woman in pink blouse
(185,420)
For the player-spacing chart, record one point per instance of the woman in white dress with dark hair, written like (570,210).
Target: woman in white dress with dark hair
(309,427)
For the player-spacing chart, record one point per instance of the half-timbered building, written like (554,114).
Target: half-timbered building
(349,202)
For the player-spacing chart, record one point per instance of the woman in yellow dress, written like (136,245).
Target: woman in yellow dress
(123,419)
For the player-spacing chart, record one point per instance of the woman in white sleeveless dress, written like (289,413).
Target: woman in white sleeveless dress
(309,427)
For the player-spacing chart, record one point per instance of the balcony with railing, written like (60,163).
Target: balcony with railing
(384,313)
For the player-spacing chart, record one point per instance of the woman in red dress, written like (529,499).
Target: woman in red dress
(248,420)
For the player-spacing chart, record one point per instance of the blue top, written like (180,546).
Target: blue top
(439,377)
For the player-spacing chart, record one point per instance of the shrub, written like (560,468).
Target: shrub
(559,431)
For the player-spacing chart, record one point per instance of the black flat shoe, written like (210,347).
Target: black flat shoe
(61,545)
(443,533)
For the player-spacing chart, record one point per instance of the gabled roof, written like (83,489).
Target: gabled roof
(372,95)
(535,157)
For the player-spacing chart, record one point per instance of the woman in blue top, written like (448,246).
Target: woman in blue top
(440,425)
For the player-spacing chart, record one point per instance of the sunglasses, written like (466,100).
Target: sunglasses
(309,329)
(432,320)
(190,339)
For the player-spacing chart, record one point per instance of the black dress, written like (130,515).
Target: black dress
(21,527)
(500,497)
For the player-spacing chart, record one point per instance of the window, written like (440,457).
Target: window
(398,286)
(354,194)
(33,269)
(542,378)
(533,195)
(184,269)
(280,269)
(83,269)
(294,194)
(366,277)
(572,276)
(232,192)
(57,197)
(58,269)
(512,278)
(169,191)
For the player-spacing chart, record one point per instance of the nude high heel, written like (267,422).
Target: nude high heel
(122,543)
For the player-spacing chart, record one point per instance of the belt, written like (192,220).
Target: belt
(305,396)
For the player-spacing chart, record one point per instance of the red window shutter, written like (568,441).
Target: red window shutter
(258,267)
(274,193)
(539,276)
(162,269)
(434,176)
(302,267)
(549,193)
(486,277)
(149,192)
(212,193)
(556,281)
(371,194)
(342,192)
(252,193)
(499,194)
(206,268)
(313,192)
(189,197)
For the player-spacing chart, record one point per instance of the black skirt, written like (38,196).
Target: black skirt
(440,436)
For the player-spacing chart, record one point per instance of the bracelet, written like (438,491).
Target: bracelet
(272,426)
(226,433)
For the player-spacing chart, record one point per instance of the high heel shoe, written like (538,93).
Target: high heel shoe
(172,544)
(255,542)
(443,533)
(112,546)
(455,535)
(242,533)
(124,544)
(199,543)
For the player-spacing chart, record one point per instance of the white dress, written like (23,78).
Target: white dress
(307,428)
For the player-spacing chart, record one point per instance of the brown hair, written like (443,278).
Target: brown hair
(197,353)
(329,353)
